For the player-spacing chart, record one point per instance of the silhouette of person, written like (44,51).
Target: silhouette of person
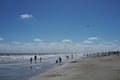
(31,60)
(57,61)
(31,67)
(40,59)
(67,57)
(60,59)
(35,57)
(72,56)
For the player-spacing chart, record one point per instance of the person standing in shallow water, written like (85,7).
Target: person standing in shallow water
(67,57)
(31,60)
(71,56)
(40,59)
(57,61)
(35,57)
(60,59)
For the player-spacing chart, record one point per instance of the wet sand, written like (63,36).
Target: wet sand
(22,71)
(90,68)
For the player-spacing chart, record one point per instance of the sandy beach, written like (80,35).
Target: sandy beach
(89,68)
(18,67)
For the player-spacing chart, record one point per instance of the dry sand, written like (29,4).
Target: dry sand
(90,68)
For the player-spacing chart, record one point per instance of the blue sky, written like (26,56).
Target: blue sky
(56,21)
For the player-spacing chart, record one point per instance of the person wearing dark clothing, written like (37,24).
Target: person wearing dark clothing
(67,57)
(40,59)
(31,60)
(35,57)
(60,59)
(71,56)
(57,61)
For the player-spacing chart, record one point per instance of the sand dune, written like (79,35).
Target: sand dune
(90,68)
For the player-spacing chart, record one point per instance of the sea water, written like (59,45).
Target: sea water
(18,67)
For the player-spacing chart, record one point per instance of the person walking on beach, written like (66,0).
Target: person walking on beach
(60,59)
(67,57)
(57,61)
(40,59)
(35,57)
(71,56)
(31,60)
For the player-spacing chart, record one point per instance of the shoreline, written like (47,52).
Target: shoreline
(23,70)
(88,68)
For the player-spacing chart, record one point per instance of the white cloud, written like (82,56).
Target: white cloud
(58,47)
(67,41)
(15,42)
(87,42)
(108,43)
(55,43)
(26,16)
(1,38)
(90,40)
(93,38)
(37,40)
(116,40)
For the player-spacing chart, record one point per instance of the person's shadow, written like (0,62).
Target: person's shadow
(30,67)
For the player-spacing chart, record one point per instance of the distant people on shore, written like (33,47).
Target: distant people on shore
(57,61)
(31,60)
(71,56)
(40,59)
(35,57)
(100,54)
(60,59)
(67,57)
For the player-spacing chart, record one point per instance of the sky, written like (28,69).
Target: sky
(59,26)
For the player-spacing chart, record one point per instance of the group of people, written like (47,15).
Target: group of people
(67,56)
(108,53)
(103,54)
(58,60)
(35,59)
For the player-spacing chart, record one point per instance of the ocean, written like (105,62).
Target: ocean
(18,67)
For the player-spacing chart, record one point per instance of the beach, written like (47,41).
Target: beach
(18,67)
(87,68)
